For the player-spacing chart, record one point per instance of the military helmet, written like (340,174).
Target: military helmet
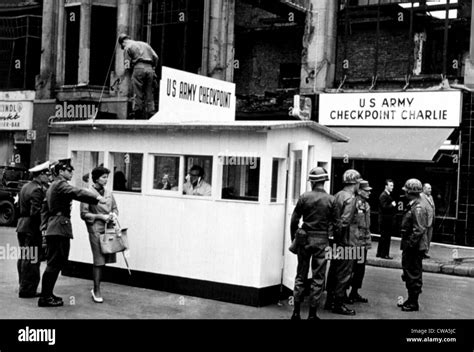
(318,174)
(122,37)
(351,176)
(413,185)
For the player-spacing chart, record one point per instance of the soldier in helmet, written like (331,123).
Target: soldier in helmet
(340,269)
(143,60)
(317,209)
(413,228)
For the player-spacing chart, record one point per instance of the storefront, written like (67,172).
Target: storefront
(16,120)
(230,243)
(400,135)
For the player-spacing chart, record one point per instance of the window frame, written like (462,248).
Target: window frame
(111,164)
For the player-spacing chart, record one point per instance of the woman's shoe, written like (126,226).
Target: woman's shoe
(96,299)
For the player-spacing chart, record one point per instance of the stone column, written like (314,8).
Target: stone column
(319,46)
(469,68)
(85,42)
(123,18)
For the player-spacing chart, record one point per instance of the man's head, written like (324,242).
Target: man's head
(317,176)
(122,40)
(351,178)
(64,169)
(41,172)
(364,189)
(389,185)
(427,189)
(196,172)
(412,188)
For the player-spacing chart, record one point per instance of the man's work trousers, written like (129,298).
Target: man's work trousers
(29,262)
(57,256)
(339,278)
(142,82)
(358,271)
(318,268)
(412,264)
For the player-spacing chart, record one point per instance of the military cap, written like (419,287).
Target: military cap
(63,164)
(40,168)
(364,185)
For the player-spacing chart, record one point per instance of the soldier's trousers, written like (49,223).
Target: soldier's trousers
(412,264)
(358,272)
(142,82)
(29,265)
(57,256)
(318,268)
(339,278)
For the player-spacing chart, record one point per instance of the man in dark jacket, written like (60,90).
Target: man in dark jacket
(413,228)
(29,234)
(317,209)
(387,210)
(58,234)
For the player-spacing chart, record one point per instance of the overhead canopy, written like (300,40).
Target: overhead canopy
(408,144)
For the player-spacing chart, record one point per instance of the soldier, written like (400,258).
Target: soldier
(317,209)
(59,230)
(143,59)
(29,234)
(360,232)
(413,228)
(340,269)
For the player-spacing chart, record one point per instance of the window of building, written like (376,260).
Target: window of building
(241,178)
(166,173)
(127,172)
(73,19)
(84,162)
(290,75)
(174,29)
(102,45)
(198,171)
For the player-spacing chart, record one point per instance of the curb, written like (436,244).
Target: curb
(431,267)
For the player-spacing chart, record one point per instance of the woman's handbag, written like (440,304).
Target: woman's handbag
(114,240)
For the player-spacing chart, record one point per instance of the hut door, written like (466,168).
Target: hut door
(296,185)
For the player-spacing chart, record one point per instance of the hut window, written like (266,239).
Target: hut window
(84,162)
(198,180)
(127,169)
(166,173)
(277,180)
(240,178)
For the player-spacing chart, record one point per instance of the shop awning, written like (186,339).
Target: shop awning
(391,143)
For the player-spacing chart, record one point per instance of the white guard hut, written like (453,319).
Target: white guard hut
(227,241)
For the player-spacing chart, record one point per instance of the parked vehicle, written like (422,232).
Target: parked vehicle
(11,180)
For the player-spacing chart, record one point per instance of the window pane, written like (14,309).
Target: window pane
(73,17)
(84,162)
(274,191)
(127,172)
(240,179)
(198,175)
(166,173)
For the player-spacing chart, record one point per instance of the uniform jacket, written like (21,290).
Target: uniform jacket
(87,210)
(318,211)
(413,226)
(360,226)
(345,210)
(137,51)
(31,200)
(428,203)
(59,199)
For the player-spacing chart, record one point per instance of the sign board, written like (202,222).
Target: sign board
(186,96)
(16,110)
(31,135)
(401,109)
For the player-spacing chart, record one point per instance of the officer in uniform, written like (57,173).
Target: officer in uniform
(340,269)
(58,234)
(360,233)
(413,228)
(28,229)
(311,240)
(144,60)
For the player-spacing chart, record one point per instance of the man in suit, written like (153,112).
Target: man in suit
(387,210)
(428,202)
(57,211)
(29,234)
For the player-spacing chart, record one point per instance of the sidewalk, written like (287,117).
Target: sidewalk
(445,259)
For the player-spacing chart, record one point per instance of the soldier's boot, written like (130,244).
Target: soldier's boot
(312,313)
(411,304)
(340,308)
(296,312)
(354,296)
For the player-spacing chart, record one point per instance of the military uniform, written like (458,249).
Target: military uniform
(59,230)
(413,228)
(317,209)
(29,236)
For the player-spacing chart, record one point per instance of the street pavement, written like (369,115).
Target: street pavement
(443,297)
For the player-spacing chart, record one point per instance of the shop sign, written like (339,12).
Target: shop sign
(401,109)
(16,112)
(186,96)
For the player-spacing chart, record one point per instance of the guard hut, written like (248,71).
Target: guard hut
(228,240)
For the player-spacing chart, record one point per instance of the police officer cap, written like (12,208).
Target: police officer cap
(63,164)
(40,168)
(364,185)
